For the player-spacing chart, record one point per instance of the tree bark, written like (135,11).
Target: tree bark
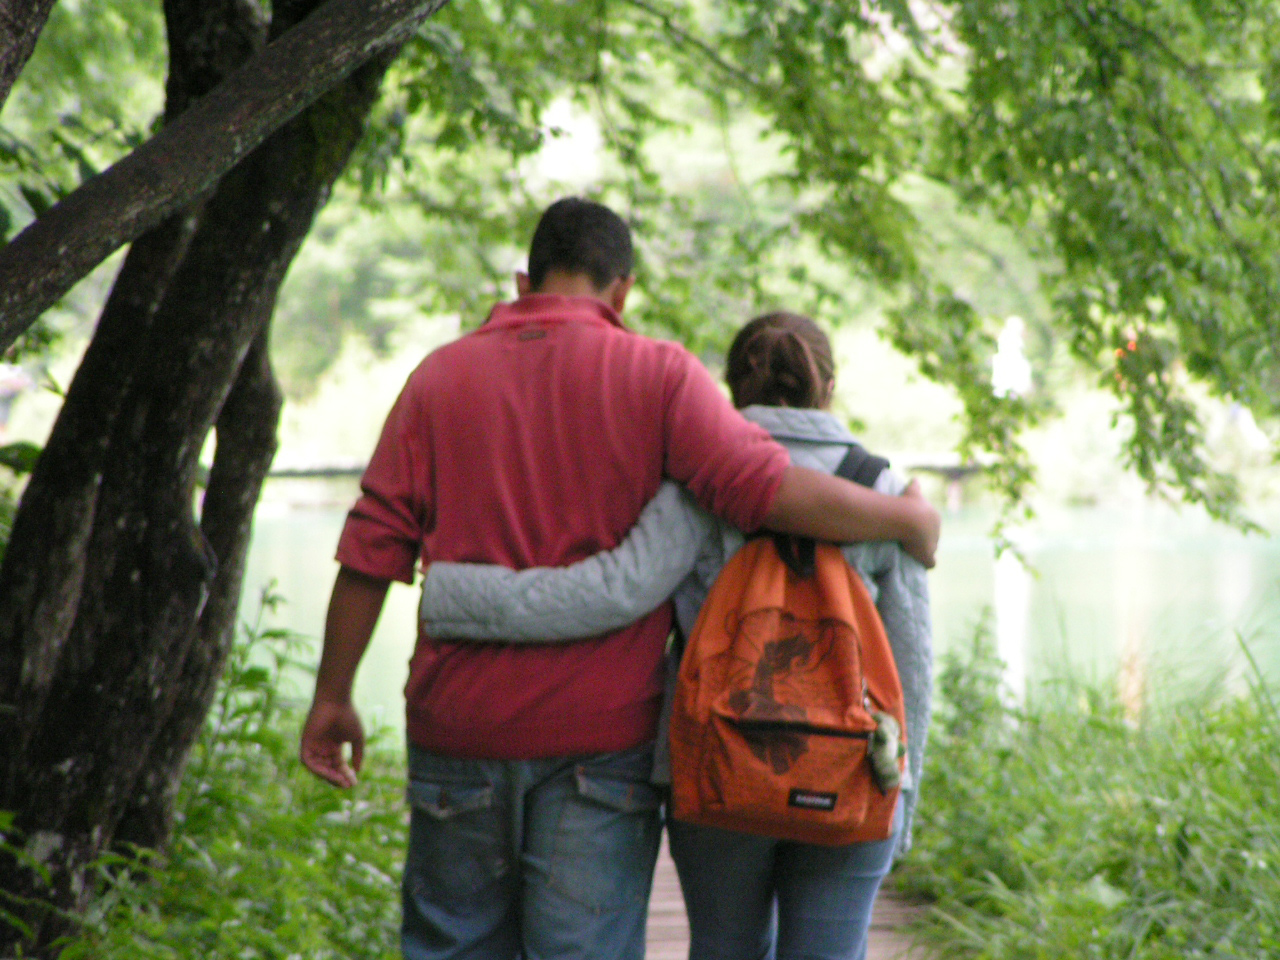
(40,587)
(20,24)
(246,433)
(110,666)
(185,159)
(42,576)
(207,41)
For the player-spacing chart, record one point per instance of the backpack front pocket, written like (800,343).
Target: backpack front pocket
(785,778)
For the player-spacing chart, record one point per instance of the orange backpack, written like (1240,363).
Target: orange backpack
(787,703)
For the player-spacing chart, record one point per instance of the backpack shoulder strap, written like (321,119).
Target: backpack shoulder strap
(860,466)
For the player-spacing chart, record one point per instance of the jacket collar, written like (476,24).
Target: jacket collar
(552,307)
(799,423)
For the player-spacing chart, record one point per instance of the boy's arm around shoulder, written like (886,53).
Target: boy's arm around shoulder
(606,591)
(816,504)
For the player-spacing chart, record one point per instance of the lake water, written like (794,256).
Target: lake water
(1113,595)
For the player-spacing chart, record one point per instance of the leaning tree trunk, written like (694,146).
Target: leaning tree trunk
(246,443)
(109,702)
(41,582)
(39,586)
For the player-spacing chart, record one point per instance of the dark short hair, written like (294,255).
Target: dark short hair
(579,236)
(780,360)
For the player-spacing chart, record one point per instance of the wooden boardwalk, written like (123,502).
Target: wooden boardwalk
(668,933)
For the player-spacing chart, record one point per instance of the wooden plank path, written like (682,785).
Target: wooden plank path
(668,931)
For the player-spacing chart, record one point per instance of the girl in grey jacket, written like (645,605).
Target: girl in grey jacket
(781,374)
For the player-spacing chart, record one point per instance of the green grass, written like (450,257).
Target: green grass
(1061,829)
(266,861)
(1067,829)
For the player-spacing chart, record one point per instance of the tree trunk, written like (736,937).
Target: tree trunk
(112,663)
(41,578)
(20,24)
(39,587)
(246,433)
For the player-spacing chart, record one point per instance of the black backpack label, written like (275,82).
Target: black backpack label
(811,800)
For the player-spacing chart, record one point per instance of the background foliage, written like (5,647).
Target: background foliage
(268,861)
(1065,827)
(1107,170)
(1073,827)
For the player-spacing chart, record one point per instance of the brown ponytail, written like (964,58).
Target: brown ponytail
(780,360)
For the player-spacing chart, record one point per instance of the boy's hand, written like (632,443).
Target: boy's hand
(329,728)
(923,543)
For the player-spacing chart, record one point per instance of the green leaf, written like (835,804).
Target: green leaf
(85,168)
(20,457)
(1102,893)
(37,200)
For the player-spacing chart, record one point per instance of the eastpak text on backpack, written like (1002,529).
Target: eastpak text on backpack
(784,683)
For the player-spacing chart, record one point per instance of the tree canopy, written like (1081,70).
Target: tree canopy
(1132,147)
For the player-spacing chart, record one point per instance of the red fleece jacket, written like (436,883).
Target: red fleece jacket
(536,441)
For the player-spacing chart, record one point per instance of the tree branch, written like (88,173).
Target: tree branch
(704,49)
(188,156)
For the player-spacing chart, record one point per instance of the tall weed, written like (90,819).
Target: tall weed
(1063,828)
(1055,828)
(266,861)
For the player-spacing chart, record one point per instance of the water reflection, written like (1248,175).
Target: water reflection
(1012,600)
(1142,598)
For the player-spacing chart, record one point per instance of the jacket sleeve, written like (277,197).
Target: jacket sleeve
(900,586)
(604,592)
(732,467)
(383,534)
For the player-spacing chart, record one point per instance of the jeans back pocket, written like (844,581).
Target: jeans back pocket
(457,841)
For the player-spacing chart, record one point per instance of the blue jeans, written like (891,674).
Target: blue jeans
(756,898)
(529,858)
